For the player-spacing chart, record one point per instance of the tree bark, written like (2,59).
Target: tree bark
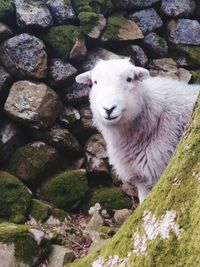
(165,230)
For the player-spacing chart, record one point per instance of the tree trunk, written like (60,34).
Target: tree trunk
(165,230)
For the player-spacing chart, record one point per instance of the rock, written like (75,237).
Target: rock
(136,53)
(59,256)
(69,116)
(174,8)
(6,11)
(32,13)
(32,162)
(133,3)
(60,215)
(147,20)
(61,39)
(156,44)
(195,76)
(95,223)
(185,55)
(34,104)
(61,72)
(24,55)
(184,31)
(119,28)
(39,210)
(97,243)
(15,198)
(102,7)
(78,51)
(120,216)
(19,246)
(110,198)
(130,190)
(59,138)
(65,190)
(61,10)
(184,75)
(76,93)
(11,137)
(97,165)
(5,32)
(92,24)
(5,82)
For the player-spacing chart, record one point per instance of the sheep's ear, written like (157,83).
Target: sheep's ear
(84,78)
(141,73)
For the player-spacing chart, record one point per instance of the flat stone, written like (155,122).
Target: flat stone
(147,20)
(174,8)
(5,32)
(133,3)
(32,13)
(61,10)
(24,56)
(184,31)
(60,255)
(34,104)
(156,44)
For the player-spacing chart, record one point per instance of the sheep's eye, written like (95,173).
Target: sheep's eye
(95,82)
(129,79)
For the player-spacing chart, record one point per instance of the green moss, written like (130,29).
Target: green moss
(14,198)
(162,41)
(27,251)
(88,21)
(97,6)
(178,190)
(111,32)
(39,210)
(66,189)
(195,76)
(62,39)
(110,198)
(32,161)
(60,214)
(6,8)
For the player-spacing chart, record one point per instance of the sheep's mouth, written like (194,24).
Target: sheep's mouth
(111,118)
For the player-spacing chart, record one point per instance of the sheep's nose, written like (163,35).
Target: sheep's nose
(109,110)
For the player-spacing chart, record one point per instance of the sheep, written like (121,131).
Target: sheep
(140,117)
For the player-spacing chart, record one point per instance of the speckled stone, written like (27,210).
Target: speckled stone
(156,44)
(174,8)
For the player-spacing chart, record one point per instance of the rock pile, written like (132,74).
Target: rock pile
(52,160)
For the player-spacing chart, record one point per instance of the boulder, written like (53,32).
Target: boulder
(184,31)
(156,45)
(65,190)
(15,198)
(133,3)
(24,55)
(78,51)
(174,8)
(33,162)
(147,20)
(32,13)
(120,216)
(34,104)
(39,210)
(76,93)
(60,255)
(5,32)
(61,10)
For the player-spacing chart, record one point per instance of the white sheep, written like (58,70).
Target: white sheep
(140,117)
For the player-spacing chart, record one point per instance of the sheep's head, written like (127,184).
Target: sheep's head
(115,96)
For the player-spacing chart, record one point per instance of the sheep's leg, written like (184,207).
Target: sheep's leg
(142,192)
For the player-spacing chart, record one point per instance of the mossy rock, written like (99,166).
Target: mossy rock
(88,21)
(110,198)
(6,10)
(39,210)
(195,76)
(97,6)
(65,190)
(61,39)
(60,214)
(14,198)
(20,245)
(32,162)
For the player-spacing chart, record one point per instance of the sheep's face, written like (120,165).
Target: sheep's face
(115,96)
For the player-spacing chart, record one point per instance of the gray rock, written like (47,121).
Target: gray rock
(24,55)
(95,223)
(11,137)
(184,31)
(156,44)
(59,138)
(120,216)
(148,20)
(176,8)
(61,10)
(32,13)
(5,32)
(5,81)
(69,116)
(77,93)
(59,256)
(136,53)
(133,3)
(34,104)
(78,51)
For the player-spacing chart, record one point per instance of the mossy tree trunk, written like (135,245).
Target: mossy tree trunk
(165,229)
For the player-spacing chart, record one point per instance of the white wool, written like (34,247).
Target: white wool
(148,117)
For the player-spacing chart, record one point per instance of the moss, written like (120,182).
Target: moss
(111,32)
(27,251)
(162,42)
(110,198)
(62,39)
(66,189)
(60,214)
(97,6)
(195,76)
(33,161)
(39,210)
(6,8)
(88,21)
(15,198)
(177,190)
